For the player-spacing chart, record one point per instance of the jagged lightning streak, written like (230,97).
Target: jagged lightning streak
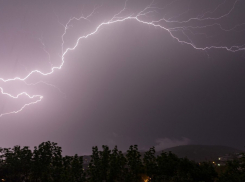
(138,18)
(39,98)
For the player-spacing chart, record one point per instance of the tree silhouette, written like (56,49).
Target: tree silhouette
(150,164)
(46,163)
(117,166)
(15,163)
(134,164)
(235,170)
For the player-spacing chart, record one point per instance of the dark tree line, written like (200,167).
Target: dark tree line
(46,164)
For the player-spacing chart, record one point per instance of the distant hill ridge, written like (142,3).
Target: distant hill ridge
(201,153)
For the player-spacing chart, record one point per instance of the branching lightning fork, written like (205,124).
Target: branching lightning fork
(138,18)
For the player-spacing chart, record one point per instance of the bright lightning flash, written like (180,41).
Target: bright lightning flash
(176,26)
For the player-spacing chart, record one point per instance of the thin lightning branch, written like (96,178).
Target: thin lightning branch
(211,12)
(45,83)
(45,50)
(208,18)
(138,18)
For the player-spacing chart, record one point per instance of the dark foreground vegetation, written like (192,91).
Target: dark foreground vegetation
(46,164)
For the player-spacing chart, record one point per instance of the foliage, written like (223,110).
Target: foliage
(46,163)
(15,163)
(235,170)
(134,164)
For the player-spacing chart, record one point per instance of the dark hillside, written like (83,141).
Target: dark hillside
(201,152)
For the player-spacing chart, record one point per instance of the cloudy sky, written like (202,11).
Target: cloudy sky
(171,82)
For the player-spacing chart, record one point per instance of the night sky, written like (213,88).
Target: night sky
(130,82)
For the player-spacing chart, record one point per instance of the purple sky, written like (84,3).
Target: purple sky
(130,83)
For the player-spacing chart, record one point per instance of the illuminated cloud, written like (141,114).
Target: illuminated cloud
(164,143)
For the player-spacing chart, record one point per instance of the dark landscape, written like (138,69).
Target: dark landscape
(46,163)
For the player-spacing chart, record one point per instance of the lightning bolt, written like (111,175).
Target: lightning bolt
(173,26)
(39,98)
